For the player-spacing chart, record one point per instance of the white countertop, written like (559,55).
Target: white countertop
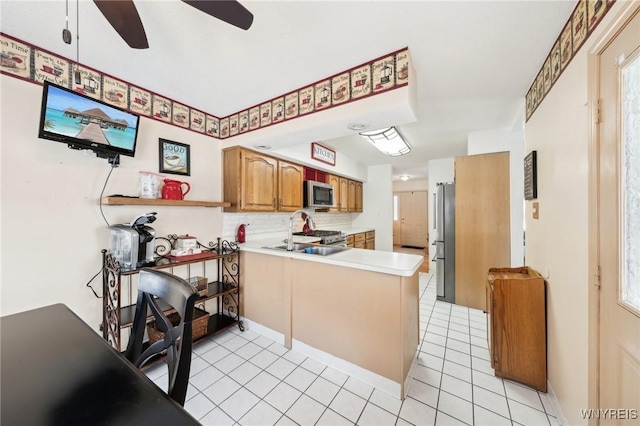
(385,262)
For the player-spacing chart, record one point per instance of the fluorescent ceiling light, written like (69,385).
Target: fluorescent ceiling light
(389,141)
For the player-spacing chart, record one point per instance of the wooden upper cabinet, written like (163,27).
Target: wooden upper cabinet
(250,180)
(335,181)
(358,201)
(290,178)
(343,204)
(352,196)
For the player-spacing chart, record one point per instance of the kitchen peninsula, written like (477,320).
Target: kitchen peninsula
(355,309)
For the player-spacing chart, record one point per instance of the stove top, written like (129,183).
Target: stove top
(318,233)
(326,237)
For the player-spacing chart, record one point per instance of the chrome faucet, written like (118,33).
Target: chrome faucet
(290,236)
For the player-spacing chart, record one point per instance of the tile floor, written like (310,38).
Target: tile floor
(242,378)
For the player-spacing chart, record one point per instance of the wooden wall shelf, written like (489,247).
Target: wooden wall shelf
(134,201)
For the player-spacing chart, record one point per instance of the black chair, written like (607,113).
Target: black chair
(178,340)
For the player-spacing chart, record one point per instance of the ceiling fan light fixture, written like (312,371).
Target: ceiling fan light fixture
(388,141)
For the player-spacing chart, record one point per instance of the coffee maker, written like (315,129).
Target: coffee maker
(132,245)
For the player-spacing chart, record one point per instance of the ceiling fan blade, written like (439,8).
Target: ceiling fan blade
(124,18)
(229,11)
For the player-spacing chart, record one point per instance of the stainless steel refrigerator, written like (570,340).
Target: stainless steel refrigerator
(445,242)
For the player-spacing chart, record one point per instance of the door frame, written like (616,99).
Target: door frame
(627,11)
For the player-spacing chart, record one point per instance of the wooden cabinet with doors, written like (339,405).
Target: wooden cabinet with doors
(370,240)
(363,240)
(516,325)
(335,181)
(352,195)
(290,178)
(358,201)
(255,182)
(343,194)
(348,194)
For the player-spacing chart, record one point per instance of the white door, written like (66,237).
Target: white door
(414,222)
(618,189)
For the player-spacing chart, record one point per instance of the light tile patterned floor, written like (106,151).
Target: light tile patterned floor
(241,378)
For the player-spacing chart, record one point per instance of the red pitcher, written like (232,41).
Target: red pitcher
(172,190)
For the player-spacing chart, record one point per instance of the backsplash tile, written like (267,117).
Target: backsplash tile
(269,223)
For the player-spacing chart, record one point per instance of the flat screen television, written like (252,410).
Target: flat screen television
(85,123)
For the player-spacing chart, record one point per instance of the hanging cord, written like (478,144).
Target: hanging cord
(91,280)
(113,166)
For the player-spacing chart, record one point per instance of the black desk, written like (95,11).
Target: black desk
(55,370)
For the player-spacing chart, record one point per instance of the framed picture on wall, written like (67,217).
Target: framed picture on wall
(174,158)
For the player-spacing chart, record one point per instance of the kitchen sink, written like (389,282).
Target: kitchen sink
(296,247)
(324,250)
(316,249)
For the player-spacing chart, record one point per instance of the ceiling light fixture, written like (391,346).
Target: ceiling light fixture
(404,178)
(389,141)
(357,126)
(263,147)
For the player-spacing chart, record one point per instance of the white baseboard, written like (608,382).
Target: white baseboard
(555,403)
(366,376)
(264,331)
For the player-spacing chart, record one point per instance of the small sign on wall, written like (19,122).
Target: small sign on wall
(322,153)
(530,176)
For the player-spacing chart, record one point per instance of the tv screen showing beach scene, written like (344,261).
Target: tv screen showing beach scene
(86,123)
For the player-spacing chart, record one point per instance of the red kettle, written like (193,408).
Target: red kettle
(172,189)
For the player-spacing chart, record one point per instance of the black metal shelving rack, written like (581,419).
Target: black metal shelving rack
(225,289)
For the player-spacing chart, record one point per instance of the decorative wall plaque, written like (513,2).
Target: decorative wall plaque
(224,127)
(340,88)
(197,120)
(322,92)
(162,108)
(307,100)
(361,81)
(254,117)
(265,114)
(579,24)
(566,46)
(48,67)
(140,101)
(383,73)
(115,92)
(291,105)
(89,84)
(530,176)
(402,67)
(16,57)
(233,125)
(277,110)
(243,121)
(212,126)
(180,115)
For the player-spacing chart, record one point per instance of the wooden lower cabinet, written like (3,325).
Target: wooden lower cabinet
(516,329)
(370,240)
(363,240)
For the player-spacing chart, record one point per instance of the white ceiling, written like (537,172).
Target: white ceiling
(474,60)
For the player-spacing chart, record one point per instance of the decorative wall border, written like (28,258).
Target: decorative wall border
(583,21)
(28,62)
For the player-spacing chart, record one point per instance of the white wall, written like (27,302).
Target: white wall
(410,185)
(442,170)
(512,141)
(378,206)
(557,242)
(52,229)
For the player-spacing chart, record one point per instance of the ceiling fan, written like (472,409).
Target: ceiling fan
(124,18)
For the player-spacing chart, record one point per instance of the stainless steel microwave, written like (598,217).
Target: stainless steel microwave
(318,195)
